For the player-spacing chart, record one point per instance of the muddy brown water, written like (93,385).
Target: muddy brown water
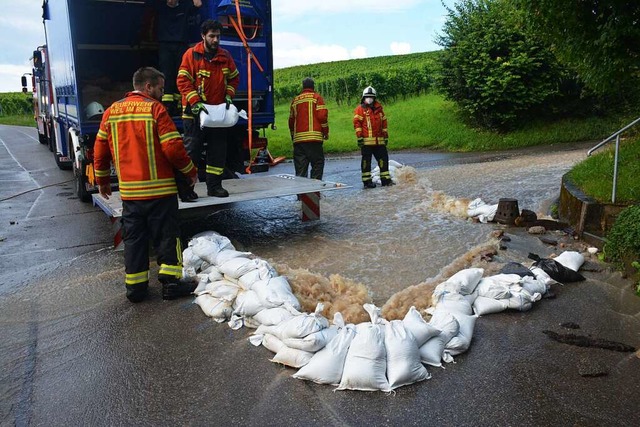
(393,237)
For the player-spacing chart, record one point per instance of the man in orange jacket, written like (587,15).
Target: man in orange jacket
(138,136)
(309,127)
(209,75)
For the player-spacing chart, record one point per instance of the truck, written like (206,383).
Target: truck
(93,47)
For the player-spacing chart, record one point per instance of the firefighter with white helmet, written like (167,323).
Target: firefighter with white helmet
(370,125)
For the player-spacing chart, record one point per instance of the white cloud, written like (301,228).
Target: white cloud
(295,8)
(293,49)
(400,48)
(10,77)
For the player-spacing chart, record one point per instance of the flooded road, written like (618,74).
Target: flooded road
(73,351)
(389,238)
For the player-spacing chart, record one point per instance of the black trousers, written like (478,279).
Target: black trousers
(216,140)
(169,59)
(154,221)
(382,157)
(308,153)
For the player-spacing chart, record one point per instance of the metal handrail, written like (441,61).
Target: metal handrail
(615,135)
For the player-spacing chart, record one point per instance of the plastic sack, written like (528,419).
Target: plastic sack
(216,308)
(419,328)
(403,356)
(570,259)
(276,315)
(305,324)
(555,270)
(326,366)
(313,342)
(219,116)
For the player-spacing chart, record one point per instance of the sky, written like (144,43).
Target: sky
(304,31)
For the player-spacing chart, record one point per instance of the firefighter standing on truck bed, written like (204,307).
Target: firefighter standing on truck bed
(208,74)
(139,137)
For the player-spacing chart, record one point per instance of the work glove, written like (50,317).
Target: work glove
(386,141)
(360,142)
(227,99)
(197,107)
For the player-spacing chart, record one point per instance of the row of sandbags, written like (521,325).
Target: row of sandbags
(375,355)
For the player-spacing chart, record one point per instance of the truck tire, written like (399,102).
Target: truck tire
(51,138)
(81,185)
(43,139)
(65,166)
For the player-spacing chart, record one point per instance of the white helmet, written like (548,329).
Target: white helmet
(93,110)
(369,91)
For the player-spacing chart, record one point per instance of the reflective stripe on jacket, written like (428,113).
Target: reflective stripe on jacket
(201,80)
(370,124)
(308,117)
(139,137)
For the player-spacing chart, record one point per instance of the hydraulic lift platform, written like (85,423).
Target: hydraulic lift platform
(240,190)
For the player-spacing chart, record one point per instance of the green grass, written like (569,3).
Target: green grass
(594,176)
(18,120)
(429,121)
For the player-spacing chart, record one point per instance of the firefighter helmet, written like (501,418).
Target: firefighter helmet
(369,91)
(94,110)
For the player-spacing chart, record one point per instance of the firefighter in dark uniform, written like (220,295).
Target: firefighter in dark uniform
(140,139)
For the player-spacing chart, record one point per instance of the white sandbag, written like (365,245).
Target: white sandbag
(270,342)
(461,342)
(190,260)
(466,280)
(454,303)
(205,249)
(264,271)
(403,356)
(365,366)
(395,164)
(276,315)
(247,304)
(203,280)
(222,289)
(484,212)
(274,292)
(485,305)
(542,276)
(236,267)
(275,330)
(226,254)
(326,366)
(419,328)
(223,242)
(522,300)
(571,259)
(533,286)
(305,324)
(447,324)
(238,322)
(292,357)
(496,287)
(219,116)
(432,350)
(218,309)
(313,342)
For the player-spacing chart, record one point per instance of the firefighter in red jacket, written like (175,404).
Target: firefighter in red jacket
(309,127)
(138,136)
(370,125)
(209,75)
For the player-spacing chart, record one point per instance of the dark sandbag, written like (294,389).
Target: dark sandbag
(557,271)
(516,268)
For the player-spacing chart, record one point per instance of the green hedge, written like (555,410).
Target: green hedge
(623,241)
(15,103)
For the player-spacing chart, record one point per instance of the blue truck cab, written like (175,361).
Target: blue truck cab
(92,49)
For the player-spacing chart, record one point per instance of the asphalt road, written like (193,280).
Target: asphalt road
(73,351)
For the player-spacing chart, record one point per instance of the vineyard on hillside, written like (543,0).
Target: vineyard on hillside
(394,77)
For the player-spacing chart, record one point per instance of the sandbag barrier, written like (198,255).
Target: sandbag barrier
(379,355)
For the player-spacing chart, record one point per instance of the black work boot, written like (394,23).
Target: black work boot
(137,293)
(369,184)
(173,290)
(214,186)
(387,182)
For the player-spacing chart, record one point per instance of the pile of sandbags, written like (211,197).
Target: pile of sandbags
(376,355)
(234,286)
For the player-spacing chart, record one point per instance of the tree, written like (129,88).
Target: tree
(600,39)
(492,68)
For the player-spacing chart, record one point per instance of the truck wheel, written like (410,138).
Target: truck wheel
(43,139)
(81,185)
